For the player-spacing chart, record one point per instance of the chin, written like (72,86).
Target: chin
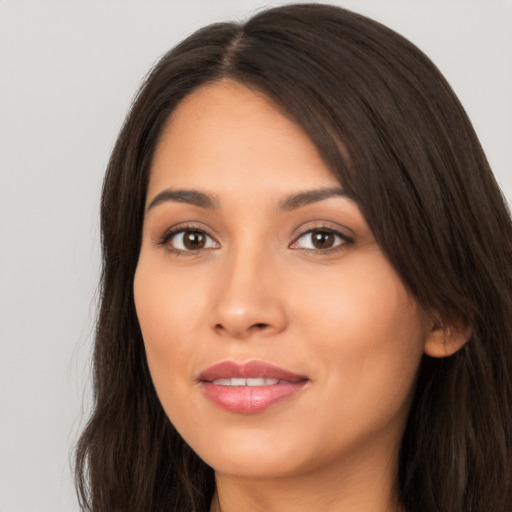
(251,453)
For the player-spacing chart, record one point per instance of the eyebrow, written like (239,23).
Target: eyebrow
(312,196)
(193,197)
(196,198)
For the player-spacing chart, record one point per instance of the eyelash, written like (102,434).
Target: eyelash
(173,232)
(343,240)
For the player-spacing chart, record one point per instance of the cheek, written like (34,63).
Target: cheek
(167,305)
(367,333)
(168,311)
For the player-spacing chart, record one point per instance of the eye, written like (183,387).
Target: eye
(320,239)
(189,240)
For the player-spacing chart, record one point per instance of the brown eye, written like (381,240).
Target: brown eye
(190,240)
(320,239)
(194,240)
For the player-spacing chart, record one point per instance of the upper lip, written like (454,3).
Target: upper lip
(248,370)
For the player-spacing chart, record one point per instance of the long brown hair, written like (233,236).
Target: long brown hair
(391,129)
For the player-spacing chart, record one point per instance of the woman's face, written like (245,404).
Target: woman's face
(279,338)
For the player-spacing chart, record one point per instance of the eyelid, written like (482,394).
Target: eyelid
(171,232)
(345,239)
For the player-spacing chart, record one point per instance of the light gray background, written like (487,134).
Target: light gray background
(68,72)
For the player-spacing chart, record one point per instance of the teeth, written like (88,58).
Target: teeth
(258,381)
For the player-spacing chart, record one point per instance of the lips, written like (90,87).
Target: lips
(249,387)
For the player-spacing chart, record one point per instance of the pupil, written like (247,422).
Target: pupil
(323,239)
(194,240)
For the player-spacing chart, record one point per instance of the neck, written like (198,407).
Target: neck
(335,490)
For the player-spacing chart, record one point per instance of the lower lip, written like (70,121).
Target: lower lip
(250,399)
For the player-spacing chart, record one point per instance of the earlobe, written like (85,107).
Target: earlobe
(445,340)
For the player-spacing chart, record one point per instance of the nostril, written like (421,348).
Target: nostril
(259,326)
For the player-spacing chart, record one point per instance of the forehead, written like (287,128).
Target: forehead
(225,136)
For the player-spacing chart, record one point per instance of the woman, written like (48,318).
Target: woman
(306,291)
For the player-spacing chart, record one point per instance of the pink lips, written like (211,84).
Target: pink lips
(247,399)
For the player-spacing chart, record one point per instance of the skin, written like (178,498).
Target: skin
(260,289)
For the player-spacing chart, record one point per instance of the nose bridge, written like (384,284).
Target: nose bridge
(248,297)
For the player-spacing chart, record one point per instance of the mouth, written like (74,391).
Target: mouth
(249,387)
(253,382)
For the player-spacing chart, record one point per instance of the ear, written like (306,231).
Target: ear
(445,339)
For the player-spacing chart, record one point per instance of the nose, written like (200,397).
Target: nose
(248,298)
